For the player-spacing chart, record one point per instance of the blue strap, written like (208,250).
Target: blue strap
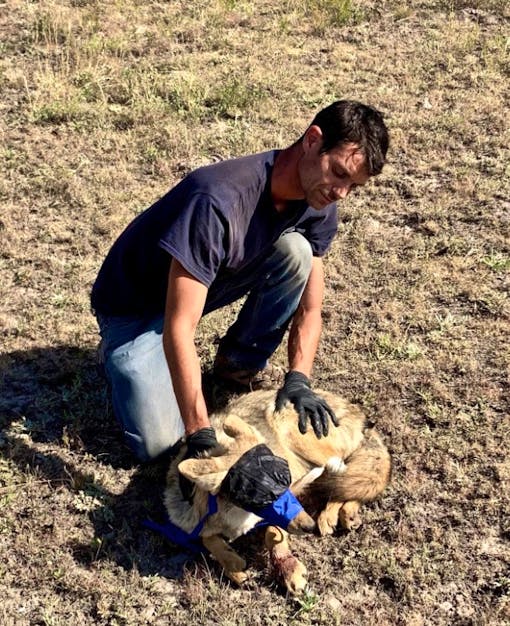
(191,541)
(281,512)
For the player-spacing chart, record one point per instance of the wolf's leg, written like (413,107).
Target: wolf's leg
(243,434)
(349,516)
(232,563)
(344,513)
(287,566)
(328,518)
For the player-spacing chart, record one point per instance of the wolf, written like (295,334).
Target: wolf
(332,477)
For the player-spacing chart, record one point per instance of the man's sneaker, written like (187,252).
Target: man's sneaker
(271,377)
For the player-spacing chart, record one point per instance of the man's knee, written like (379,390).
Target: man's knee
(149,447)
(143,398)
(296,252)
(152,432)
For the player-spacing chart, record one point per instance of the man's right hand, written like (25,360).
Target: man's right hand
(308,404)
(197,443)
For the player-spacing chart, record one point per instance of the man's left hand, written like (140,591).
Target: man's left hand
(197,443)
(308,404)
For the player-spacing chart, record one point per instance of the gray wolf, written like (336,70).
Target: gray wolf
(332,476)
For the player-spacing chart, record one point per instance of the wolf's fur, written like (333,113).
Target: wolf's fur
(332,476)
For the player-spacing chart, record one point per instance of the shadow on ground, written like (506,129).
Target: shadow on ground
(58,397)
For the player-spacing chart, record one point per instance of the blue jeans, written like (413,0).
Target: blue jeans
(135,364)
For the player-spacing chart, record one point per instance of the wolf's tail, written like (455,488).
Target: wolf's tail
(362,477)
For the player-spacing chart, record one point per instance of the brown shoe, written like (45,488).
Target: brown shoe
(271,377)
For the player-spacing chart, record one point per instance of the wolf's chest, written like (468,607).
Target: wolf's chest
(232,523)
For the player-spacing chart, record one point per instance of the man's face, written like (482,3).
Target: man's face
(327,177)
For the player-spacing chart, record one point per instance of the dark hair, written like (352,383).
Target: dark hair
(348,121)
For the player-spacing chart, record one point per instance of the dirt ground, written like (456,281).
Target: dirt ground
(103,107)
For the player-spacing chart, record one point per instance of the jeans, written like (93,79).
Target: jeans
(143,399)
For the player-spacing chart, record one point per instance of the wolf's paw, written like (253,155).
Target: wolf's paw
(232,562)
(292,573)
(296,581)
(352,522)
(326,523)
(235,567)
(327,520)
(349,517)
(239,578)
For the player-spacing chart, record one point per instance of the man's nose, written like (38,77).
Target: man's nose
(340,193)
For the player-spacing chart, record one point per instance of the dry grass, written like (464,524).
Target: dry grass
(106,105)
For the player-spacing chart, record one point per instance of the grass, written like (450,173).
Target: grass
(497,262)
(104,107)
(332,13)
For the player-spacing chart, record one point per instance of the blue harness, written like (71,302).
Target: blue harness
(175,534)
(280,513)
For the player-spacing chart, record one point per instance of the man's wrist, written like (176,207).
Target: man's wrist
(201,440)
(295,376)
(194,426)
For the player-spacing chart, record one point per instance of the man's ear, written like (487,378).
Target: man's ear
(207,474)
(312,138)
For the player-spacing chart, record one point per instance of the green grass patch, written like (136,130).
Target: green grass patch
(497,262)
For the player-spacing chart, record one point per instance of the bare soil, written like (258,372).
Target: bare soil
(104,106)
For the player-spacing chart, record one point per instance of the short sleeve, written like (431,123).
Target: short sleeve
(197,238)
(320,228)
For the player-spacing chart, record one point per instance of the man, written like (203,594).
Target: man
(258,225)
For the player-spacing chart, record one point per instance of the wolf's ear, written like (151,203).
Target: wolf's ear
(207,474)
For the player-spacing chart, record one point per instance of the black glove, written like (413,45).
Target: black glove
(198,442)
(297,390)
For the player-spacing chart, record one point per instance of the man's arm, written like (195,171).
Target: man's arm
(184,306)
(303,341)
(307,322)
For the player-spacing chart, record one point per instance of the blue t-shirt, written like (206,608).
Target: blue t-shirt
(218,222)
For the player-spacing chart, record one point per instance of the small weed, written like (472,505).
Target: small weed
(184,97)
(60,300)
(334,12)
(497,262)
(230,5)
(496,53)
(387,347)
(307,602)
(85,503)
(445,324)
(233,98)
(96,545)
(104,514)
(412,351)
(51,29)
(432,409)
(152,153)
(6,499)
(49,620)
(90,85)
(457,5)
(58,112)
(402,12)
(58,574)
